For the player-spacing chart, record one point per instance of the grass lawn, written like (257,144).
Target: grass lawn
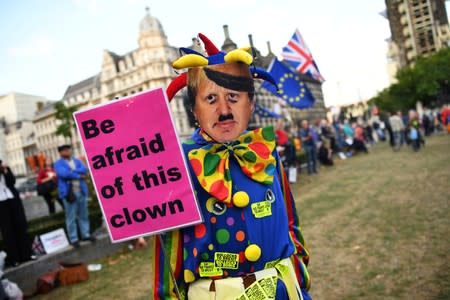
(377,227)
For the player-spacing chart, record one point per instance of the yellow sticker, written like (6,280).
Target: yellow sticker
(226,260)
(263,289)
(284,270)
(271,264)
(256,292)
(209,269)
(242,297)
(262,209)
(269,285)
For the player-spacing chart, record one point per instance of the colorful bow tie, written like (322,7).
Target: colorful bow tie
(253,151)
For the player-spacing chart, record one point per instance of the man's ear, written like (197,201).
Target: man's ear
(194,114)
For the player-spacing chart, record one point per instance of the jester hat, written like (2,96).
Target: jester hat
(193,59)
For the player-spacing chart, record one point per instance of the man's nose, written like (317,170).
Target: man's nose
(223,106)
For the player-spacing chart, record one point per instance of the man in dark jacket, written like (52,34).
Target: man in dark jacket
(13,222)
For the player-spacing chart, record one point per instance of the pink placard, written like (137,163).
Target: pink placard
(137,166)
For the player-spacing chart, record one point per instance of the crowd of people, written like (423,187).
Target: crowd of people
(63,181)
(321,140)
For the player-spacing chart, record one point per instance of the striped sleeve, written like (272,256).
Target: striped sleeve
(301,257)
(163,286)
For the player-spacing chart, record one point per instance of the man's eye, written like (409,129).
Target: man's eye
(211,98)
(233,97)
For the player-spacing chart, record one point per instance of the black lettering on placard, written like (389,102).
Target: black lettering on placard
(156,145)
(178,203)
(146,213)
(109,191)
(116,223)
(112,156)
(107,126)
(133,152)
(91,130)
(174,174)
(146,179)
(156,211)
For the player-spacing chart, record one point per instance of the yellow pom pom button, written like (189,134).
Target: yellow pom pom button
(188,276)
(241,199)
(252,252)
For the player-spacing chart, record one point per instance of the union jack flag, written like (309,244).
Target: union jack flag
(297,54)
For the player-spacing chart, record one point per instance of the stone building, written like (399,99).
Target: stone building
(18,138)
(45,124)
(418,27)
(15,107)
(16,129)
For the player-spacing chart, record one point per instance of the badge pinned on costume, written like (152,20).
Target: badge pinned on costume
(215,206)
(226,260)
(219,208)
(262,209)
(270,196)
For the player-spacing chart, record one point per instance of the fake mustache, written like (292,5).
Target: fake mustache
(225,117)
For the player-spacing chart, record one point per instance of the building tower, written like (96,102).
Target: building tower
(418,27)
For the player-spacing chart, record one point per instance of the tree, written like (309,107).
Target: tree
(65,115)
(427,81)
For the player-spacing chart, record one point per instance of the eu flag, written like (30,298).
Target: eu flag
(291,88)
(265,113)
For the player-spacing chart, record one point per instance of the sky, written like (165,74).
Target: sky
(47,45)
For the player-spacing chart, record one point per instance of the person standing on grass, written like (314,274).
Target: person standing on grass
(13,223)
(397,128)
(414,130)
(445,118)
(309,146)
(326,154)
(404,120)
(359,144)
(73,191)
(242,191)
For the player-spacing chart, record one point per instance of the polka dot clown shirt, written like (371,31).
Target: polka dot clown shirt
(248,230)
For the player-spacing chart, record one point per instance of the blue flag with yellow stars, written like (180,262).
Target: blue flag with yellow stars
(291,88)
(265,113)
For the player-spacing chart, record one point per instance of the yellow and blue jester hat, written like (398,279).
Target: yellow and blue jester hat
(193,59)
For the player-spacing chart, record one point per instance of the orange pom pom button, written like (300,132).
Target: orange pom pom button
(252,252)
(241,199)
